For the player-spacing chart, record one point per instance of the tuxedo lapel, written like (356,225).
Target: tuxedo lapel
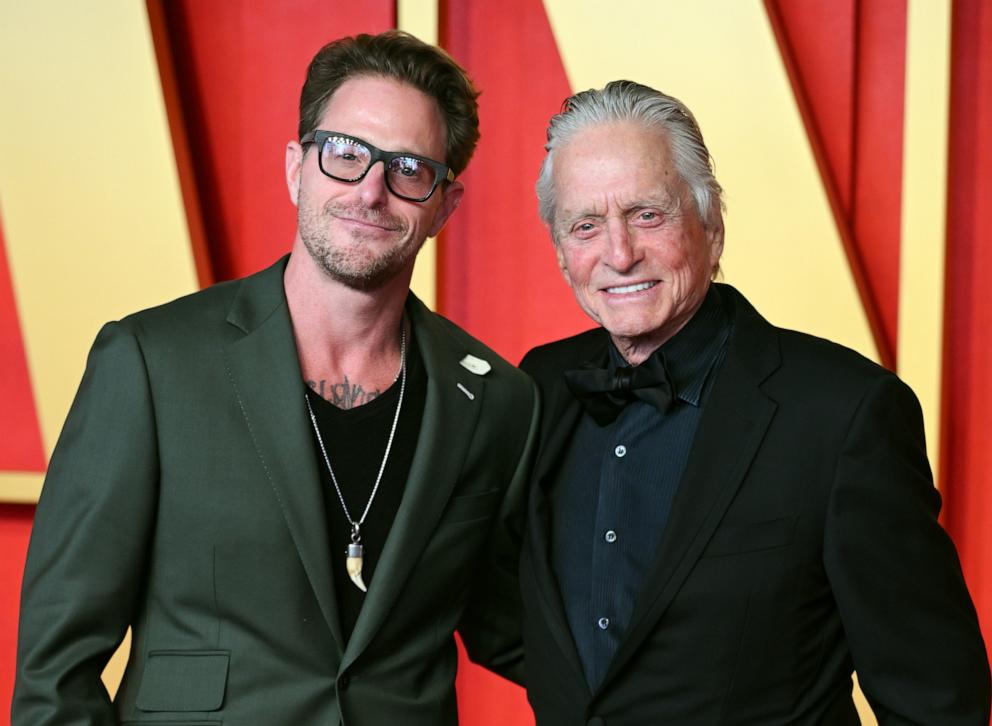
(539,528)
(735,420)
(560,409)
(264,372)
(560,415)
(447,428)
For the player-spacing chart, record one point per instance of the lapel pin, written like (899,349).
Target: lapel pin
(475,365)
(471,396)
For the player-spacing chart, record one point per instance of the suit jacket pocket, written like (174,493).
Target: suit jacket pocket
(471,507)
(735,538)
(184,680)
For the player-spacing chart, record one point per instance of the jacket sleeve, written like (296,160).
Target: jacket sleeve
(491,628)
(87,553)
(910,623)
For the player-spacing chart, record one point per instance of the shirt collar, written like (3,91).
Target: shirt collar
(692,353)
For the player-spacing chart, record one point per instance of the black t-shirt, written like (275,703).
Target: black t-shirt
(355,440)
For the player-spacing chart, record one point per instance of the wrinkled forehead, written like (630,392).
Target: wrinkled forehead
(619,160)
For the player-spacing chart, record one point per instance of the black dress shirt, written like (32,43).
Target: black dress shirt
(355,440)
(612,494)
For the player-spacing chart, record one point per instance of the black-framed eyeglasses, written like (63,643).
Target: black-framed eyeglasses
(348,159)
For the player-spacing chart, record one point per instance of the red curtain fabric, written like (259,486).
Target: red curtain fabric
(967,396)
(497,275)
(20,437)
(847,61)
(239,66)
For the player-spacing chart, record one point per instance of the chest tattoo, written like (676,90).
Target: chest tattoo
(343,394)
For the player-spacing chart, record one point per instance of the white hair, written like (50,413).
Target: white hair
(621,101)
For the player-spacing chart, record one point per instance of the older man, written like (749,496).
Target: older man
(287,485)
(727,517)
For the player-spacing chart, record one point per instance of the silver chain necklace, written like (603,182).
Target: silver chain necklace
(356,549)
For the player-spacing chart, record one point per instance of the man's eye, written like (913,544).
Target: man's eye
(648,216)
(345,151)
(407,167)
(585,227)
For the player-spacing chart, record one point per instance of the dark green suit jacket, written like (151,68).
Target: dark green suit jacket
(183,500)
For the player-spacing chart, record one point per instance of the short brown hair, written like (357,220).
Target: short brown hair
(398,55)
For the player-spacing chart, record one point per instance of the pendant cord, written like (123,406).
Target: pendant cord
(356,526)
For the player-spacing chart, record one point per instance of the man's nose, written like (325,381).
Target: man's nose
(372,187)
(622,253)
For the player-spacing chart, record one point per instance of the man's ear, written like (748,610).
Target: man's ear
(714,236)
(451,197)
(562,265)
(294,167)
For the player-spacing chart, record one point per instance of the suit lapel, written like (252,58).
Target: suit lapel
(560,415)
(735,420)
(448,425)
(264,371)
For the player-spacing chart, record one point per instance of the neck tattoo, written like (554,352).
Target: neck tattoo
(355,551)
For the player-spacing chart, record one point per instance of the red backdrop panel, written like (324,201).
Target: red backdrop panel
(875,210)
(20,437)
(239,66)
(967,400)
(846,62)
(497,275)
(15,527)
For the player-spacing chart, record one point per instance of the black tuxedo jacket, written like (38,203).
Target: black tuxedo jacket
(803,543)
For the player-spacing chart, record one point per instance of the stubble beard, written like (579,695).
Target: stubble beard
(351,262)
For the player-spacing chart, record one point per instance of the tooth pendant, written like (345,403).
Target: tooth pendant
(354,565)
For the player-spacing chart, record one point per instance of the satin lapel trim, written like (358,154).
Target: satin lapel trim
(726,443)
(561,418)
(446,431)
(264,372)
(561,414)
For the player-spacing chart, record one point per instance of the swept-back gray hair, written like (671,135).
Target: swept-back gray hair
(621,101)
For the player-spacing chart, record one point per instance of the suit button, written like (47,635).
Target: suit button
(596,721)
(343,682)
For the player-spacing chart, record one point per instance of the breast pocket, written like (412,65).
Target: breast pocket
(736,538)
(182,681)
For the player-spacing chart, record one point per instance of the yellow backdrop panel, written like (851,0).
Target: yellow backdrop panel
(921,273)
(92,211)
(420,17)
(720,57)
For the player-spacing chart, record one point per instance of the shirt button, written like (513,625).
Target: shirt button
(620,451)
(611,536)
(603,623)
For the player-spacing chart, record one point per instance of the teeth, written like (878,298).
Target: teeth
(631,288)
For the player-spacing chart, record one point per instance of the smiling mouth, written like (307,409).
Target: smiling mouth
(367,223)
(636,287)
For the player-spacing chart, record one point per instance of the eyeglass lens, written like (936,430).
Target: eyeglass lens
(348,160)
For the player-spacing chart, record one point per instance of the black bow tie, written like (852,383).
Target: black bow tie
(604,393)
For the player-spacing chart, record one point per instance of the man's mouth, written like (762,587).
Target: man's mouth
(636,287)
(368,223)
(363,217)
